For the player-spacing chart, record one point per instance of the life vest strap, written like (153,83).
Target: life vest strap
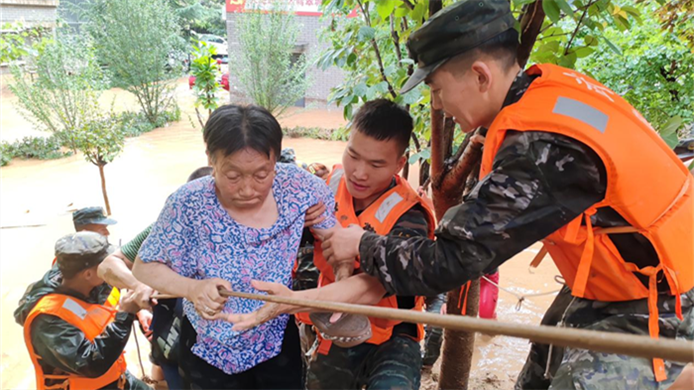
(583,271)
(539,257)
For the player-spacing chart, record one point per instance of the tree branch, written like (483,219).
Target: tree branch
(417,146)
(396,39)
(531,23)
(408,4)
(578,26)
(367,18)
(456,173)
(405,27)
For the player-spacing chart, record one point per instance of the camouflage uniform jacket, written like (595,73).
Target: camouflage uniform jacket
(540,181)
(63,346)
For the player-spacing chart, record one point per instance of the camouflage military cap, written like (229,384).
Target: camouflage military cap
(81,250)
(89,215)
(455,30)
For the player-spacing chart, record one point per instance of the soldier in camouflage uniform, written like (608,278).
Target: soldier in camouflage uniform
(539,182)
(374,155)
(62,344)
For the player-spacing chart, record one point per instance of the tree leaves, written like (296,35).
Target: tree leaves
(385,7)
(552,10)
(669,131)
(366,33)
(565,7)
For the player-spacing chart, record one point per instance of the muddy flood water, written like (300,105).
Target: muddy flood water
(37,197)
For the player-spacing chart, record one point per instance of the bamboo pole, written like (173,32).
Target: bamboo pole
(626,344)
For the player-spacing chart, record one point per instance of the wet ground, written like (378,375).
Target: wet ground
(36,198)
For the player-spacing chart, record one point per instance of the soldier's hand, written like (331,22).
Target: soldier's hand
(342,245)
(205,296)
(314,215)
(143,296)
(128,302)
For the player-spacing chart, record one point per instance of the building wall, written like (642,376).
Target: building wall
(32,12)
(68,14)
(322,81)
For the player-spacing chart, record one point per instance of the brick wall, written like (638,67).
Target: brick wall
(322,81)
(33,12)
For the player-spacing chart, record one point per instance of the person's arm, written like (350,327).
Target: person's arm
(539,183)
(66,347)
(360,289)
(165,263)
(116,271)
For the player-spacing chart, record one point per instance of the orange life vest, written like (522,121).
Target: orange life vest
(379,217)
(92,319)
(646,184)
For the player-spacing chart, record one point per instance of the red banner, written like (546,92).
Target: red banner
(300,7)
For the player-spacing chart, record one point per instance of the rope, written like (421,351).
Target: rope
(520,297)
(144,376)
(625,344)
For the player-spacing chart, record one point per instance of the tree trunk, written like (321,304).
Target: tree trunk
(458,346)
(406,169)
(103,188)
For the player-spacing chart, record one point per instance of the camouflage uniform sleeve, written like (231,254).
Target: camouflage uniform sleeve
(539,182)
(411,224)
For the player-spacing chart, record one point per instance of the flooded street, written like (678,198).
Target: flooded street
(36,199)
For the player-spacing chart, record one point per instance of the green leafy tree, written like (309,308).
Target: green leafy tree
(266,69)
(654,72)
(16,39)
(138,40)
(101,140)
(205,70)
(61,93)
(200,16)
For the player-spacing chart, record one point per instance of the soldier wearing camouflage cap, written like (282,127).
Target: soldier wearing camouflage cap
(92,219)
(617,220)
(74,327)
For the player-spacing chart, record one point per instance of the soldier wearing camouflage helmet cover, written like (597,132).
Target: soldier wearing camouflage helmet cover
(73,328)
(617,220)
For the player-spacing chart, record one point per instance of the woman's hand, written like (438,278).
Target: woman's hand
(267,312)
(205,296)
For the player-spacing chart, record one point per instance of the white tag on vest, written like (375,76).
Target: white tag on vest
(75,308)
(385,208)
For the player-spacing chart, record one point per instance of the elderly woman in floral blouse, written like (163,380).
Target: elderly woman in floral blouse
(242,223)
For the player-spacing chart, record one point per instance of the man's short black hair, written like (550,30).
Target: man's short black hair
(383,120)
(200,172)
(232,127)
(503,47)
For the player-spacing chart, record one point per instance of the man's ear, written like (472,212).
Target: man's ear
(401,163)
(483,75)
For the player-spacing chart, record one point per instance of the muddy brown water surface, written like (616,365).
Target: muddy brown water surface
(37,197)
